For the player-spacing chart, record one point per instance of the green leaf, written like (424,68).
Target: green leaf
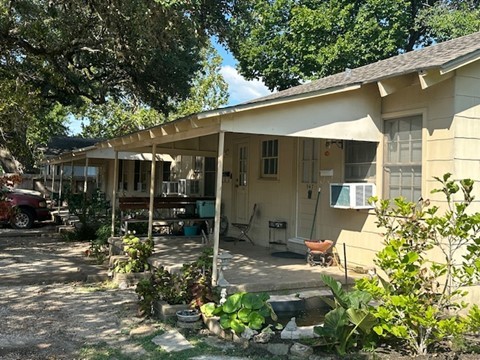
(255,321)
(233,303)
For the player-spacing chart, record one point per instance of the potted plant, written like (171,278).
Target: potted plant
(135,266)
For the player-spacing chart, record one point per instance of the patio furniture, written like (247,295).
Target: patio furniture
(244,228)
(317,252)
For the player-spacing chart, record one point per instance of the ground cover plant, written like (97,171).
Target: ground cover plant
(420,301)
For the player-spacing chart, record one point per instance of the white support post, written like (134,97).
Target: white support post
(85,177)
(114,192)
(151,207)
(60,190)
(218,206)
(53,181)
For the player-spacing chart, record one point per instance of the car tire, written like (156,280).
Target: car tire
(23,219)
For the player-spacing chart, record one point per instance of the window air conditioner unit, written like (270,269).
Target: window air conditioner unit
(351,195)
(170,187)
(189,187)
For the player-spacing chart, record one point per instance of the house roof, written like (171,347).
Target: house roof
(442,56)
(61,144)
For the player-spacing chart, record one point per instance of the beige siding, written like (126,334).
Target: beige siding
(467,126)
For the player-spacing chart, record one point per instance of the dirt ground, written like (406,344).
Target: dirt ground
(48,311)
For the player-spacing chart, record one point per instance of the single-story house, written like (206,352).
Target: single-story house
(386,128)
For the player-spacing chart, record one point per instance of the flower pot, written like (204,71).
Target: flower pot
(188,315)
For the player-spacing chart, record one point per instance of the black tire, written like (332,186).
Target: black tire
(23,219)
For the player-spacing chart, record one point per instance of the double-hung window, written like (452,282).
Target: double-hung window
(403,158)
(360,161)
(269,158)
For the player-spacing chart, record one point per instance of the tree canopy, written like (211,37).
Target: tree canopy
(285,42)
(71,54)
(114,118)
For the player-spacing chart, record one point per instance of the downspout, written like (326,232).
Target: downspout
(218,206)
(114,192)
(151,208)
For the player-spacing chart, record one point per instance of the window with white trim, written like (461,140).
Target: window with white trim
(310,150)
(403,158)
(269,158)
(140,175)
(360,161)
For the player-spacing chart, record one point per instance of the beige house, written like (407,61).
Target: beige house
(386,128)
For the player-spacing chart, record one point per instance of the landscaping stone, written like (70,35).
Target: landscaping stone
(302,332)
(143,330)
(301,351)
(215,342)
(279,349)
(262,338)
(171,341)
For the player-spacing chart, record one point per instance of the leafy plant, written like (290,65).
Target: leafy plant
(192,285)
(419,297)
(137,252)
(350,321)
(242,310)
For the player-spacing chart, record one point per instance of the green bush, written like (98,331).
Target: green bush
(349,324)
(191,285)
(137,252)
(419,299)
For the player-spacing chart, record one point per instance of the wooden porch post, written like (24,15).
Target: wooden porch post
(85,176)
(53,180)
(114,192)
(151,208)
(218,206)
(60,190)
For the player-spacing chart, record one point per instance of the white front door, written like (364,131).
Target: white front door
(307,188)
(241,183)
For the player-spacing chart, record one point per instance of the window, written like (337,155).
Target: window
(309,160)
(403,158)
(140,175)
(360,161)
(270,158)
(122,175)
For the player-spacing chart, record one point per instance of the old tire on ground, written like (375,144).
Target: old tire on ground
(23,219)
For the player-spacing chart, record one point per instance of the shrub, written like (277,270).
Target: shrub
(419,298)
(191,285)
(137,252)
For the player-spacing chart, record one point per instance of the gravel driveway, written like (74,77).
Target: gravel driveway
(46,310)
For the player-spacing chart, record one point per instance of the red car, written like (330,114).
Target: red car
(21,209)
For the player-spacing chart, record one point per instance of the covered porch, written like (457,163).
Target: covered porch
(252,268)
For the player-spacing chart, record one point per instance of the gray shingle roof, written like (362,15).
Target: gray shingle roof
(434,56)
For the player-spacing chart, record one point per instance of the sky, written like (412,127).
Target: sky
(240,90)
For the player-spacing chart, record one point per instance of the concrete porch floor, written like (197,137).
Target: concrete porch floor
(252,267)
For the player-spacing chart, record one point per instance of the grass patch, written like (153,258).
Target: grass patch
(96,287)
(101,352)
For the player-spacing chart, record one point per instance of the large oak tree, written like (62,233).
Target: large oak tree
(92,51)
(285,42)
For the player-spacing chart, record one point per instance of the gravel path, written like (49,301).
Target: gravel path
(45,312)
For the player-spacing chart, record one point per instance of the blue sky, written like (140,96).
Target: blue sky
(240,90)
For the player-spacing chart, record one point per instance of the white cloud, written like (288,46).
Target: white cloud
(241,90)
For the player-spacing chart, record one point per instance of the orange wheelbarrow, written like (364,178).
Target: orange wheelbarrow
(317,252)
